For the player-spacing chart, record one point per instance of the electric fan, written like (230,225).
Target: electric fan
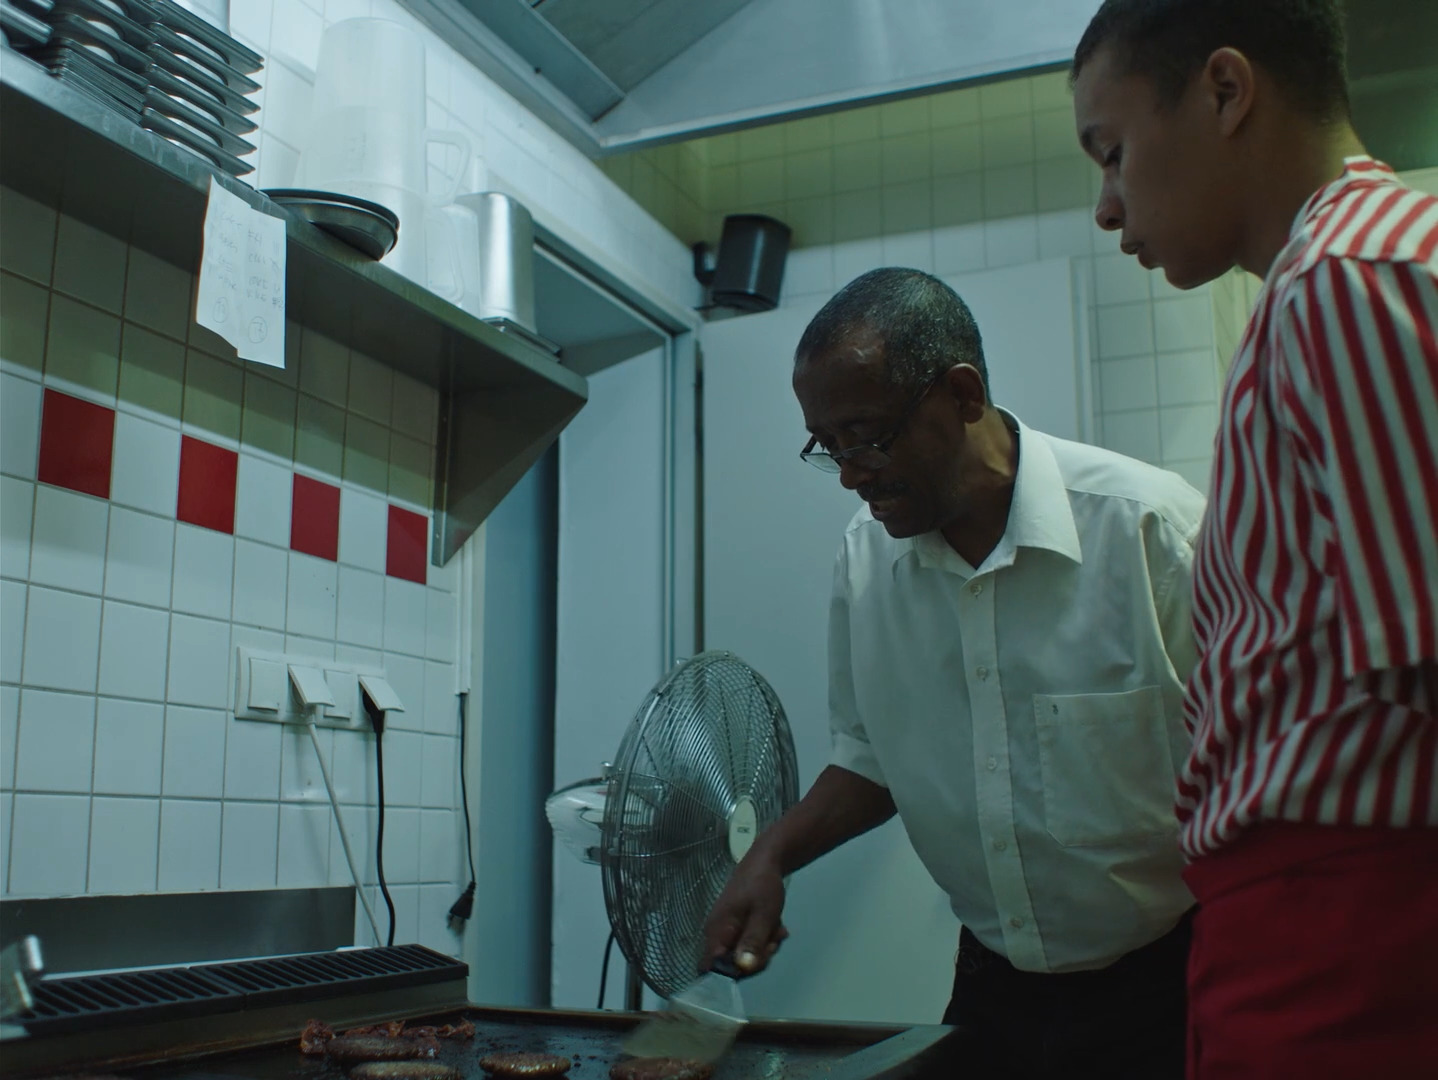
(706,764)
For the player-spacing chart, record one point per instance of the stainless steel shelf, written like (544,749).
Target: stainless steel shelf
(502,401)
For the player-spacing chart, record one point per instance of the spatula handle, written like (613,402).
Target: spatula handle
(725,966)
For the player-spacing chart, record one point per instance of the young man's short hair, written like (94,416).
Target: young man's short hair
(1300,43)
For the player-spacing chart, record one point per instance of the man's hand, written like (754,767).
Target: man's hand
(745,918)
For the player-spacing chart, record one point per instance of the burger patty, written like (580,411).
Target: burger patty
(664,1068)
(380,1048)
(525,1064)
(404,1070)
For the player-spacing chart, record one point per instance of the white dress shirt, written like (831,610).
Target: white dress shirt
(1027,714)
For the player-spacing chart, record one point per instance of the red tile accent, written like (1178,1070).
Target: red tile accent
(408,545)
(315,518)
(77,443)
(207,485)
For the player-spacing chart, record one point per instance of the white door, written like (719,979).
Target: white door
(873,937)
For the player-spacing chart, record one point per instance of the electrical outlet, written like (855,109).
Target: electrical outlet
(264,690)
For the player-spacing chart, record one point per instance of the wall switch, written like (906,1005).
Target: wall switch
(343,685)
(273,687)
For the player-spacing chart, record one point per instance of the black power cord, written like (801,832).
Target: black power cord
(463,908)
(604,970)
(376,720)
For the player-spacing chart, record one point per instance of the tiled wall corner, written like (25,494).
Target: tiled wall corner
(153,488)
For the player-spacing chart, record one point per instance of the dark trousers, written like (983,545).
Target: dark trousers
(1124,1022)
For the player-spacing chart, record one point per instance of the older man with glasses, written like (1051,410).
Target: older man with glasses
(1009,639)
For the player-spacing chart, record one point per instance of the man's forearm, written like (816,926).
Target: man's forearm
(840,806)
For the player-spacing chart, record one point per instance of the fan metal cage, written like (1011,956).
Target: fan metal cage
(710,742)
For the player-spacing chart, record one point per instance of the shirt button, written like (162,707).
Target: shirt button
(982,673)
(976,588)
(1000,845)
(1016,923)
(992,763)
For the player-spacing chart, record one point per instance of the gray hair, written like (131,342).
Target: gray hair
(924,326)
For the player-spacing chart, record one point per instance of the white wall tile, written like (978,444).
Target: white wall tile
(133,651)
(50,845)
(17,514)
(57,737)
(1128,384)
(194,752)
(19,425)
(129,747)
(287,99)
(809,271)
(361,607)
(912,249)
(442,613)
(304,846)
(300,777)
(441,703)
(1186,431)
(204,571)
(199,662)
(361,823)
(1010,241)
(324,368)
(62,640)
(249,845)
(69,540)
(439,779)
(12,629)
(1198,473)
(855,257)
(405,616)
(124,845)
(189,845)
(1187,378)
(263,498)
(311,597)
(1064,232)
(146,471)
(139,557)
(252,760)
(442,850)
(9,729)
(1134,434)
(406,675)
(364,530)
(261,574)
(295,34)
(353,767)
(403,752)
(401,842)
(434,931)
(958,249)
(90,264)
(1185,322)
(1125,330)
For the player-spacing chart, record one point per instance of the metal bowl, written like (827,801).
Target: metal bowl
(365,226)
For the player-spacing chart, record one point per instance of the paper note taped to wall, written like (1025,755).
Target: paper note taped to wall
(242,278)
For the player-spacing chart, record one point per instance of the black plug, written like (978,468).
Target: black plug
(463,908)
(373,711)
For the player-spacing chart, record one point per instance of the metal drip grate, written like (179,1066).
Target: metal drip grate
(88,1002)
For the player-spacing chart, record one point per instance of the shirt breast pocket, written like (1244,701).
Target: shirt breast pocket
(1108,776)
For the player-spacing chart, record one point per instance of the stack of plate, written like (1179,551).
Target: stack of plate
(158,65)
(21,25)
(199,87)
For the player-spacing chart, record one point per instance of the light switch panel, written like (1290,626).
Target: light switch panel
(267,685)
(267,688)
(343,685)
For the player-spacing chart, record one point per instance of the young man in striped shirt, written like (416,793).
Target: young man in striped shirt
(1309,803)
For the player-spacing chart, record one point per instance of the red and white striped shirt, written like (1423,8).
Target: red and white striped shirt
(1316,572)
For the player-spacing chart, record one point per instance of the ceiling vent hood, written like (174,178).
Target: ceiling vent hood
(618,74)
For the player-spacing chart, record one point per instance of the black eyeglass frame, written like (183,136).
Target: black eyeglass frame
(833,462)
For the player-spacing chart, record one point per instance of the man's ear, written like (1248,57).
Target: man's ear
(966,388)
(1229,85)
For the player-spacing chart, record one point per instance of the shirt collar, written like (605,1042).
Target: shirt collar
(1357,169)
(1040,515)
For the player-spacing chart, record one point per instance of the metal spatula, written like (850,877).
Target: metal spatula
(701,1021)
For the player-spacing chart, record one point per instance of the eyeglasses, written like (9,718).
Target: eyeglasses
(871,456)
